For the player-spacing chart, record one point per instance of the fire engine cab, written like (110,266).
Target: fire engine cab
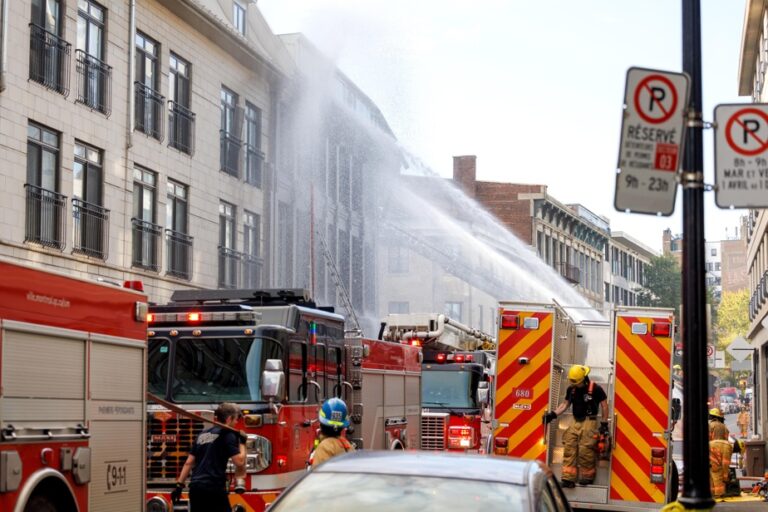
(456,378)
(630,357)
(72,378)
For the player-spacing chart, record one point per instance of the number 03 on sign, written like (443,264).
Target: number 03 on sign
(652,135)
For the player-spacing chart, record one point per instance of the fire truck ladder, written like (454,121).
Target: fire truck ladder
(342,290)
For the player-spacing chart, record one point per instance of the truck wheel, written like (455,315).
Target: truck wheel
(39,503)
(675,487)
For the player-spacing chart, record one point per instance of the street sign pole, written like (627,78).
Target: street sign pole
(696,491)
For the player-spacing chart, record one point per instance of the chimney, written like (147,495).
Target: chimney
(465,173)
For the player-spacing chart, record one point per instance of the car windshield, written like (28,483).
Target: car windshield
(346,492)
(440,388)
(212,370)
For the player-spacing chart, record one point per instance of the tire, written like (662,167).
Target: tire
(40,503)
(675,487)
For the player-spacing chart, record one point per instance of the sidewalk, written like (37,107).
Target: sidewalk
(742,506)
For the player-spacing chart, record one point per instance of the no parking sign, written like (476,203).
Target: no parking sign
(741,156)
(652,135)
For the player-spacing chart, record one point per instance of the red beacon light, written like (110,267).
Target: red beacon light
(440,358)
(415,342)
(193,317)
(134,285)
(458,358)
(469,358)
(150,317)
(661,329)
(509,321)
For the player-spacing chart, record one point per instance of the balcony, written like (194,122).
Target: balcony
(181,128)
(146,244)
(230,153)
(252,266)
(178,250)
(49,59)
(229,263)
(94,83)
(149,111)
(254,160)
(571,273)
(45,218)
(91,229)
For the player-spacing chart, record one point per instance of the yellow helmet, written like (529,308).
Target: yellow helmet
(677,367)
(577,374)
(716,413)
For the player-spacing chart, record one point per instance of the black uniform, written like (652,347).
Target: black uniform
(208,487)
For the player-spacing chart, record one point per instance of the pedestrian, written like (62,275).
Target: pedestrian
(720,451)
(743,422)
(207,462)
(580,439)
(334,420)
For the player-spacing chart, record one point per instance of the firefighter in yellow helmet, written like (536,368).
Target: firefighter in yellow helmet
(580,439)
(720,451)
(743,422)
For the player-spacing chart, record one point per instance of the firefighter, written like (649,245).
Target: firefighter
(720,451)
(334,420)
(207,461)
(743,422)
(580,439)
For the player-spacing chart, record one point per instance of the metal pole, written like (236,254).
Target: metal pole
(696,491)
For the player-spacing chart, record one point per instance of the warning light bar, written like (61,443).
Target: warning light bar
(661,329)
(196,317)
(458,358)
(509,321)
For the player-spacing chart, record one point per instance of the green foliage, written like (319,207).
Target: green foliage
(732,318)
(663,284)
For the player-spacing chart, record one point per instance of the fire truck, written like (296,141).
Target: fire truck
(277,355)
(72,378)
(456,377)
(630,356)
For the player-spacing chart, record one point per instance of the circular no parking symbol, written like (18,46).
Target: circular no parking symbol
(655,99)
(747,131)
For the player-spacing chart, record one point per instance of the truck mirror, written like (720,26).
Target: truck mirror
(676,409)
(482,396)
(273,380)
(482,384)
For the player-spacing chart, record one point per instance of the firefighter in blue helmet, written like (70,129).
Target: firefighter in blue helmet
(334,420)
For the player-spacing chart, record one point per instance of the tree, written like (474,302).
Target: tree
(663,284)
(732,318)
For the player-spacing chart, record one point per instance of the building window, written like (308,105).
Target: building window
(149,102)
(146,233)
(48,52)
(94,80)
(453,311)
(229,258)
(397,260)
(231,125)
(253,156)
(45,217)
(177,239)
(181,119)
(90,218)
(398,307)
(252,264)
(238,15)
(713,252)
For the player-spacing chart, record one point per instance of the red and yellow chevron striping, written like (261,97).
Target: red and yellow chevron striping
(522,390)
(641,394)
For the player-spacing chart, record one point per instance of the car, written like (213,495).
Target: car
(421,481)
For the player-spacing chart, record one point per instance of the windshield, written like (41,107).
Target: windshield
(213,370)
(374,493)
(440,388)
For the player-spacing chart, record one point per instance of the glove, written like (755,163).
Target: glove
(547,418)
(176,493)
(603,427)
(243,437)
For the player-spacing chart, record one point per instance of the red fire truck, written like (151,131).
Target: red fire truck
(278,356)
(72,393)
(456,377)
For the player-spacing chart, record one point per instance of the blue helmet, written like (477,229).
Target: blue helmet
(333,413)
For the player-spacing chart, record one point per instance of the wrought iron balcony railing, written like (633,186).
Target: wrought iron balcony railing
(230,153)
(146,244)
(181,128)
(91,229)
(252,267)
(45,218)
(149,110)
(49,59)
(94,82)
(178,250)
(254,160)
(229,263)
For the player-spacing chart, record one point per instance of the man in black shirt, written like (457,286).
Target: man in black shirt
(207,461)
(580,439)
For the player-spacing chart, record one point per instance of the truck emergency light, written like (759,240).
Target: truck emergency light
(661,329)
(134,285)
(458,358)
(197,317)
(440,358)
(460,437)
(509,321)
(500,445)
(658,456)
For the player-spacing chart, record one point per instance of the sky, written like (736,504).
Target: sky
(534,89)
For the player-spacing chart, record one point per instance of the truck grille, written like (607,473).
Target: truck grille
(169,439)
(433,430)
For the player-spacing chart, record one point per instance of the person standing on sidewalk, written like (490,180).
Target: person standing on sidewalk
(207,462)
(743,422)
(720,451)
